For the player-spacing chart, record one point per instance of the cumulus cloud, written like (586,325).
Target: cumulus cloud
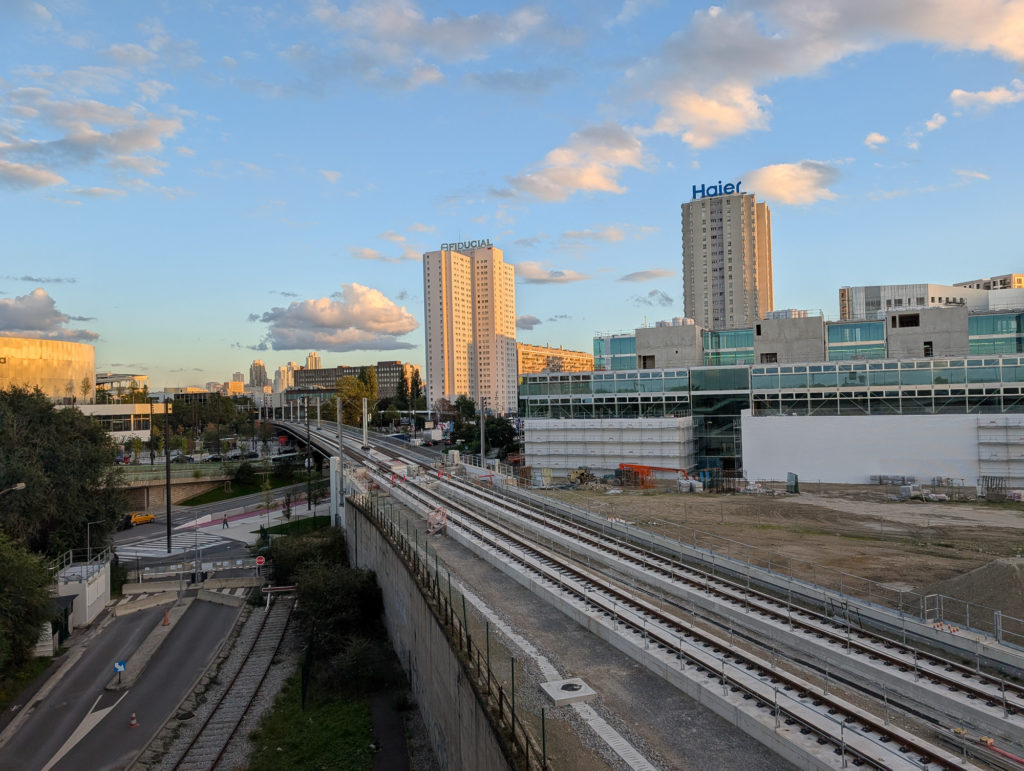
(536,273)
(390,235)
(874,140)
(607,233)
(23,176)
(366,253)
(937,121)
(648,275)
(130,54)
(591,161)
(359,318)
(330,176)
(418,227)
(984,100)
(793,183)
(527,322)
(36,315)
(530,242)
(97,192)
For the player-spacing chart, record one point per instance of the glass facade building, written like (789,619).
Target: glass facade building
(716,396)
(615,352)
(733,346)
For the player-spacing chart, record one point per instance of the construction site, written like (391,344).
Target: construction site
(863,540)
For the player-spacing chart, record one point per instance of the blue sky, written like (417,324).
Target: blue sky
(191,185)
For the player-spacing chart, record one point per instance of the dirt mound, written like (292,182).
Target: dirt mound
(998,585)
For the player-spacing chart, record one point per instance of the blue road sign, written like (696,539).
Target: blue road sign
(119,666)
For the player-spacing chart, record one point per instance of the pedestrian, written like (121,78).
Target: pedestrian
(224,522)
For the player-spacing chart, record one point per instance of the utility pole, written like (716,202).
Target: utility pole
(483,420)
(167,468)
(309,464)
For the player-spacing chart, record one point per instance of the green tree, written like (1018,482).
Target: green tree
(465,409)
(25,602)
(85,387)
(402,394)
(66,461)
(267,497)
(136,443)
(352,392)
(415,387)
(287,510)
(368,377)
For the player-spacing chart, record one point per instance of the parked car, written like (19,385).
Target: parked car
(214,459)
(140,518)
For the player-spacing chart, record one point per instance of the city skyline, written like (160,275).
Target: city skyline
(197,187)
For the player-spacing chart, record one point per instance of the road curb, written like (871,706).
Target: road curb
(140,658)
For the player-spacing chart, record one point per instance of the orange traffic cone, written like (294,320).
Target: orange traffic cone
(167,620)
(133,723)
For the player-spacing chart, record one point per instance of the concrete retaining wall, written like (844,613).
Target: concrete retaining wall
(459,727)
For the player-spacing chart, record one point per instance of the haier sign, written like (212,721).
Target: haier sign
(706,191)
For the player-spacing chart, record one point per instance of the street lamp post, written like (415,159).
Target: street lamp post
(13,488)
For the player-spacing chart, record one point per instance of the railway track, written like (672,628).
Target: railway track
(207,747)
(823,725)
(945,686)
(883,668)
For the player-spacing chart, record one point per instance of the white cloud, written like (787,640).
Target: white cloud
(968,174)
(20,175)
(607,233)
(417,227)
(937,121)
(874,140)
(330,176)
(702,120)
(648,275)
(97,192)
(391,235)
(982,100)
(186,152)
(591,161)
(359,318)
(793,183)
(535,273)
(36,315)
(152,90)
(130,54)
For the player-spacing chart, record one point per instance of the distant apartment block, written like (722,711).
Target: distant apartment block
(313,360)
(389,375)
(727,258)
(544,358)
(470,310)
(1009,281)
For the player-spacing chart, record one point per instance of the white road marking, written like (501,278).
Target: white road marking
(90,721)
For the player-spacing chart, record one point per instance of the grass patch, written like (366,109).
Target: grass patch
(237,490)
(302,526)
(332,733)
(13,683)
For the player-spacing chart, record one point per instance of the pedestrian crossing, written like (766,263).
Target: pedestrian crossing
(181,543)
(237,591)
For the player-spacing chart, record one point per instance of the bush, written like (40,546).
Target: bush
(245,474)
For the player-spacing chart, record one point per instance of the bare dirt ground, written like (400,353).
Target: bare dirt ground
(835,534)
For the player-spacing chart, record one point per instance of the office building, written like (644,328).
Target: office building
(727,257)
(928,392)
(258,374)
(869,302)
(470,310)
(544,358)
(389,375)
(313,360)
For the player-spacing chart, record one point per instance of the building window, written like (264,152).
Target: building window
(769,358)
(928,348)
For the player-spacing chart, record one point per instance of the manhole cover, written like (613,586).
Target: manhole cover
(571,687)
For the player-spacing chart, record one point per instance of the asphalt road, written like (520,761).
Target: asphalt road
(97,721)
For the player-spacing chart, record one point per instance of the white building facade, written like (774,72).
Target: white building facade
(470,310)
